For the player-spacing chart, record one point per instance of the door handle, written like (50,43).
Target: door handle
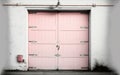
(58,47)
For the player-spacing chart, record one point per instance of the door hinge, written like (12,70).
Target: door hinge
(32,41)
(83,42)
(83,54)
(83,27)
(84,68)
(32,54)
(32,68)
(32,27)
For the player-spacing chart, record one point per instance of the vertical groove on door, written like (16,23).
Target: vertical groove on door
(57,39)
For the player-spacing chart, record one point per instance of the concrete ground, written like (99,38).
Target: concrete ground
(57,73)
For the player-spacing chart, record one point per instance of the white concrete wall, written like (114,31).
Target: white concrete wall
(4,36)
(18,25)
(18,36)
(99,35)
(114,38)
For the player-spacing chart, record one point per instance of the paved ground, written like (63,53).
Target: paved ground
(58,73)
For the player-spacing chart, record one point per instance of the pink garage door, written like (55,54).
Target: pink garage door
(58,40)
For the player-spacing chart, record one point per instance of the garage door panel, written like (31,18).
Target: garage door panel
(42,36)
(73,50)
(42,63)
(42,40)
(73,36)
(58,40)
(42,50)
(73,63)
(73,21)
(42,21)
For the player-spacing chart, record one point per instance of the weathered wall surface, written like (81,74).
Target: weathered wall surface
(4,36)
(114,38)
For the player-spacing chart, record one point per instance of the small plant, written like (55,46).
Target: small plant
(101,68)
